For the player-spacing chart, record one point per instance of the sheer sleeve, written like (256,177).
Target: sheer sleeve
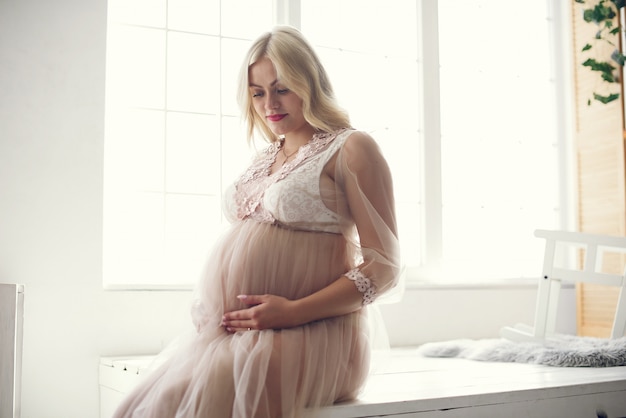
(367,208)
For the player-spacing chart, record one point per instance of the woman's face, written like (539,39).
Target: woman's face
(279,107)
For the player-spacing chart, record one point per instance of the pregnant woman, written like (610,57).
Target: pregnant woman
(282,302)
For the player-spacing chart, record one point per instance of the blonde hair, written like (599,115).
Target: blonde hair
(299,69)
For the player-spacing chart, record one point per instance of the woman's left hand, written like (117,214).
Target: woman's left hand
(264,312)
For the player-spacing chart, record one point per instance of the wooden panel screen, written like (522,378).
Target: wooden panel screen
(599,143)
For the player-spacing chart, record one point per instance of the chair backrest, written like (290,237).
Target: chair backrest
(11,323)
(595,248)
(593,271)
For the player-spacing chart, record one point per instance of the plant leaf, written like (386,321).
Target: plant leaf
(586,48)
(618,57)
(604,12)
(605,99)
(609,77)
(601,66)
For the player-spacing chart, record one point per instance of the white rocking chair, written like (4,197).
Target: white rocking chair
(552,277)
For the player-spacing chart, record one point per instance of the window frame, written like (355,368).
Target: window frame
(427,273)
(431,216)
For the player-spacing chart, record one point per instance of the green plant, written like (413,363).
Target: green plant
(604,14)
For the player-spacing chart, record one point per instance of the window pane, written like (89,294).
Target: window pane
(190,230)
(135,66)
(236,153)
(193,73)
(193,154)
(199,16)
(233,53)
(133,238)
(135,138)
(137,12)
(382,29)
(246,19)
(499,151)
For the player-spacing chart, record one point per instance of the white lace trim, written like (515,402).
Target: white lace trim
(363,285)
(257,179)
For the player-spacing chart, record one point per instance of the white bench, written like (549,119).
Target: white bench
(404,384)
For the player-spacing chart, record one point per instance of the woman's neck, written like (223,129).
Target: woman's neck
(296,139)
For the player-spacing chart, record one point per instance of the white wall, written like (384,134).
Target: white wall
(442,313)
(52,56)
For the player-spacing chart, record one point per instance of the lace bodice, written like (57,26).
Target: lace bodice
(291,196)
(355,201)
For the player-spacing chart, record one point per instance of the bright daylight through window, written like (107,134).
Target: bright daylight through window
(473,177)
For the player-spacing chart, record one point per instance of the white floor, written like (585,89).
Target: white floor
(407,385)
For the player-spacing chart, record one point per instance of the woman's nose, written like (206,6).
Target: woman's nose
(272,102)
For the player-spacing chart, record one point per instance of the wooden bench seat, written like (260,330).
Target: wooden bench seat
(404,384)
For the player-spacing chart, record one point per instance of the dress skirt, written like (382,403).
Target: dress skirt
(268,373)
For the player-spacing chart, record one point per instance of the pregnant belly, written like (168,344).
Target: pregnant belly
(266,258)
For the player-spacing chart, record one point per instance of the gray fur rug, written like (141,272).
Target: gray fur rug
(560,350)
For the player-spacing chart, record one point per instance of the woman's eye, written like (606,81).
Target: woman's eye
(282,91)
(257,94)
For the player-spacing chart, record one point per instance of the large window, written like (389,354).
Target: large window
(172,137)
(462,100)
(500,144)
(372,56)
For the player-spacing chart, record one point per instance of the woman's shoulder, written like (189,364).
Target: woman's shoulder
(360,144)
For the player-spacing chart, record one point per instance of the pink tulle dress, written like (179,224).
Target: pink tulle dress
(293,232)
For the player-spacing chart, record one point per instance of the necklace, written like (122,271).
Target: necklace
(287,156)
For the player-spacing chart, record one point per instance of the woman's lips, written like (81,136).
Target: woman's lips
(276,118)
